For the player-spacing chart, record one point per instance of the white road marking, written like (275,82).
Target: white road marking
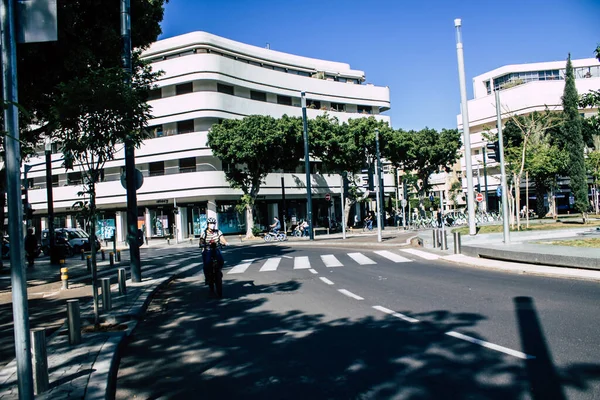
(287,257)
(489,345)
(361,258)
(392,256)
(327,281)
(422,254)
(271,264)
(331,261)
(350,294)
(313,271)
(395,314)
(301,263)
(240,268)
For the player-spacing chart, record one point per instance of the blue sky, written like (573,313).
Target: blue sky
(407,45)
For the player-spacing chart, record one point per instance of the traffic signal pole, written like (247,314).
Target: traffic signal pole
(506,232)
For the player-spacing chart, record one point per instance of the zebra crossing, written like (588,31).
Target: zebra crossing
(273,264)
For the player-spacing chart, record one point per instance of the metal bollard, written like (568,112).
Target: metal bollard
(40,360)
(111,257)
(82,254)
(191,241)
(106,299)
(444,240)
(122,278)
(434,238)
(456,242)
(440,239)
(103,255)
(74,321)
(64,276)
(119,255)
(89,263)
(168,241)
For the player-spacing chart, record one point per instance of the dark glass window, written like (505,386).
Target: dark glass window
(285,100)
(185,126)
(228,89)
(74,178)
(338,107)
(365,109)
(155,94)
(315,104)
(260,96)
(184,88)
(54,180)
(156,168)
(187,165)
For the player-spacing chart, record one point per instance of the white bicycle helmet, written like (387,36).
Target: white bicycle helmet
(211,220)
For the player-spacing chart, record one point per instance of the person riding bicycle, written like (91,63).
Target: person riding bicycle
(276,226)
(211,234)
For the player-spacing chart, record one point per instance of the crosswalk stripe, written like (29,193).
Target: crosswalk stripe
(271,264)
(361,258)
(422,254)
(301,262)
(331,261)
(240,268)
(392,256)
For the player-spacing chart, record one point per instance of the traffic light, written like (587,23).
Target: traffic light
(478,188)
(367,182)
(494,155)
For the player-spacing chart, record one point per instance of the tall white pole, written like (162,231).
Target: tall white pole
(342,178)
(506,232)
(378,191)
(465,121)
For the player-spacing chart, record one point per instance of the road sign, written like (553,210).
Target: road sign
(139,180)
(479,197)
(404,202)
(327,197)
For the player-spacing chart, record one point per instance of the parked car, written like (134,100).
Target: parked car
(76,238)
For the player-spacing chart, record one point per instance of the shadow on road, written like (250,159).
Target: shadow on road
(190,346)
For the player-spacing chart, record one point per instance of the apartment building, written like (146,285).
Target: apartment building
(523,89)
(207,78)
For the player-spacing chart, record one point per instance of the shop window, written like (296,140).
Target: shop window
(187,165)
(185,126)
(184,88)
(156,168)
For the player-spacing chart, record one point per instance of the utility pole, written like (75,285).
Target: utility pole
(465,122)
(311,232)
(378,180)
(506,232)
(130,175)
(12,148)
(487,205)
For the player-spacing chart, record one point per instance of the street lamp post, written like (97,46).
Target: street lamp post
(465,122)
(378,179)
(307,168)
(54,259)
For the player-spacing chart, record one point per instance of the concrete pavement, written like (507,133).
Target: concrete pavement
(88,370)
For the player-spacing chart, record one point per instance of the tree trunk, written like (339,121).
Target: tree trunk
(249,221)
(92,239)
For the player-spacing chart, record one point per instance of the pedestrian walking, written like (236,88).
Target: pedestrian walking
(31,245)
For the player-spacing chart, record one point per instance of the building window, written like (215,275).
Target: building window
(54,180)
(187,165)
(227,89)
(155,94)
(285,100)
(74,178)
(260,96)
(156,131)
(314,104)
(338,107)
(156,168)
(364,109)
(184,88)
(185,126)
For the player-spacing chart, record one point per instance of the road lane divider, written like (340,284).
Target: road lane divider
(327,281)
(491,346)
(313,271)
(350,294)
(396,314)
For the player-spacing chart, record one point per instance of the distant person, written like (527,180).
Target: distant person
(31,245)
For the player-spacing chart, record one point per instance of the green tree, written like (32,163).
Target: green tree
(347,147)
(253,147)
(571,139)
(423,153)
(94,114)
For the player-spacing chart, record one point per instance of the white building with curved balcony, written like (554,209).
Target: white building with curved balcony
(206,79)
(523,89)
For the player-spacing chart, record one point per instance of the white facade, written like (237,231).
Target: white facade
(524,88)
(206,79)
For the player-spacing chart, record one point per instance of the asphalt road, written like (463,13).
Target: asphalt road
(372,327)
